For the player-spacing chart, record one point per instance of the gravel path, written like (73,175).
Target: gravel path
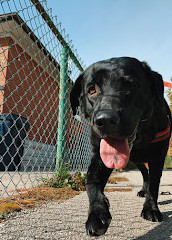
(66,220)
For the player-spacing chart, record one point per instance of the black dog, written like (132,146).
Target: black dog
(123,100)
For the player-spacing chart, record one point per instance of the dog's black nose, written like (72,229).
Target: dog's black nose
(106,119)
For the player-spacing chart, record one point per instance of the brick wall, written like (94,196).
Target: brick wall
(3,69)
(29,91)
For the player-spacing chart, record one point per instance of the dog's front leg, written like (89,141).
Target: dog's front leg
(99,216)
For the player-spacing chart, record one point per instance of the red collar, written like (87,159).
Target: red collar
(159,136)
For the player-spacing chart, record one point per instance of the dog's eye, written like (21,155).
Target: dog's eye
(126,92)
(92,90)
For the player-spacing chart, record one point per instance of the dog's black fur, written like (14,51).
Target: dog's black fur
(123,98)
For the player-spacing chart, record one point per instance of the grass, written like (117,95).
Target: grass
(75,181)
(62,186)
(120,189)
(8,207)
(115,180)
(34,197)
(168,162)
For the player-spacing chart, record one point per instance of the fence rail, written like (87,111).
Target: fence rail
(38,66)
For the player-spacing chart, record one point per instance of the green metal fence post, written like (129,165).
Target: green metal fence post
(61,138)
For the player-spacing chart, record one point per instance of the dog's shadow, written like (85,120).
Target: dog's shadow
(165,202)
(164,230)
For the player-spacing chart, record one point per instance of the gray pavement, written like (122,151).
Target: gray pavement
(12,181)
(66,220)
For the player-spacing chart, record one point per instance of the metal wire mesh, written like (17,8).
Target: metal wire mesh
(31,99)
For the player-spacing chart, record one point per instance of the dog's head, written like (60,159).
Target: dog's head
(115,95)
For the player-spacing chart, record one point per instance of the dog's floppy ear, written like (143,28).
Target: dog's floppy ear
(76,93)
(157,82)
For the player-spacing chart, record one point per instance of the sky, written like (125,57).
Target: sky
(102,29)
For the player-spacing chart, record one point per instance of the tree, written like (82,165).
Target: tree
(169,95)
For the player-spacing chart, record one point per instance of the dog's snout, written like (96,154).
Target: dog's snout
(106,119)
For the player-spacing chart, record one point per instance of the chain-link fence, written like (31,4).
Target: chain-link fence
(38,66)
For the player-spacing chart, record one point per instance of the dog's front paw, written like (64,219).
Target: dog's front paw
(153,215)
(98,223)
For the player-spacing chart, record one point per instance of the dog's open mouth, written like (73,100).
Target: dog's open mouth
(115,153)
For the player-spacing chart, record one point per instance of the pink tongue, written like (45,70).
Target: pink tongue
(114,153)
